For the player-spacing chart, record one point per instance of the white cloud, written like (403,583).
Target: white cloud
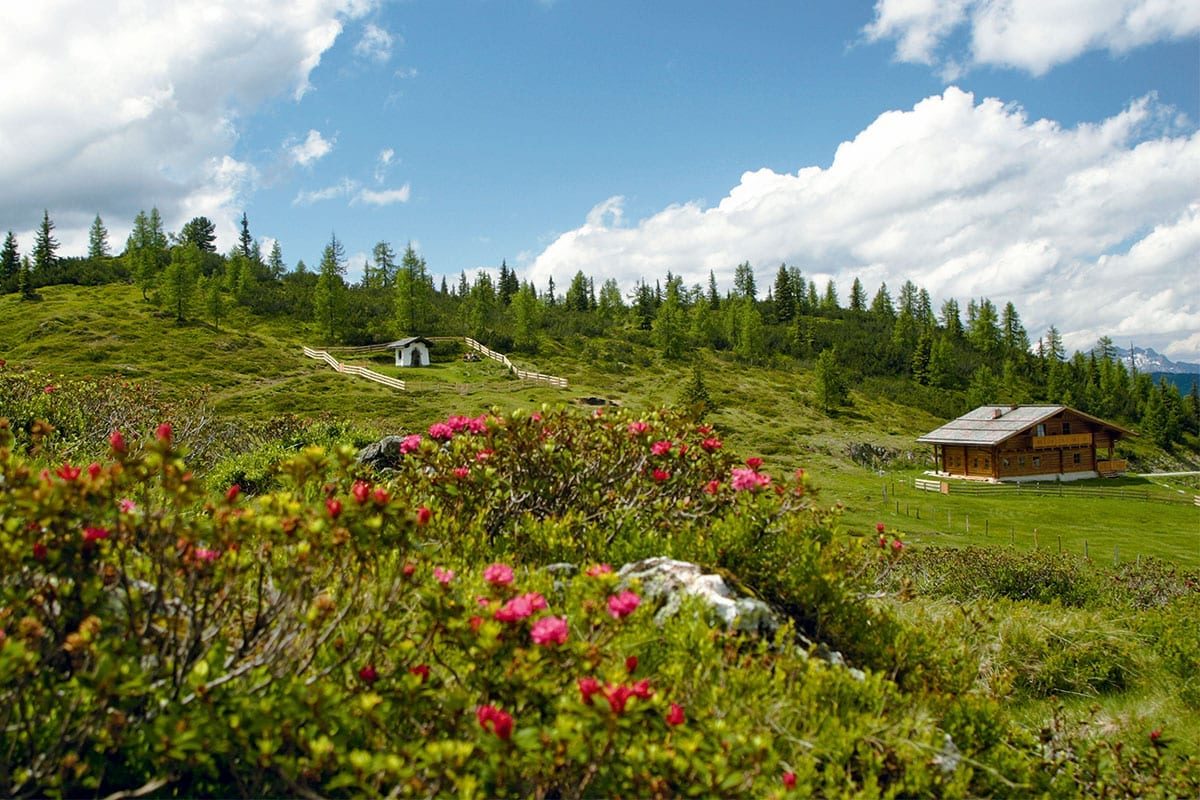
(121,106)
(383,162)
(313,148)
(375,44)
(351,189)
(1076,226)
(385,197)
(1033,35)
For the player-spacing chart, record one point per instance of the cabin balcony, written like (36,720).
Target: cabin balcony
(1112,467)
(1062,440)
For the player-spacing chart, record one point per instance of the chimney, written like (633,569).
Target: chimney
(997,413)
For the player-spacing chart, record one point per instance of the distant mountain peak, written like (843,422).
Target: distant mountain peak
(1146,359)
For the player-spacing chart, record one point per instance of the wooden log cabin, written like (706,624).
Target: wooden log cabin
(1026,443)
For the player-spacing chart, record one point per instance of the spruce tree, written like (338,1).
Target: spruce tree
(858,297)
(245,240)
(275,265)
(10,263)
(694,396)
(45,247)
(785,298)
(25,280)
(98,240)
(743,281)
(200,231)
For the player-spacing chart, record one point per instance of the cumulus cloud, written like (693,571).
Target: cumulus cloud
(127,105)
(313,148)
(1091,228)
(1032,35)
(384,197)
(375,45)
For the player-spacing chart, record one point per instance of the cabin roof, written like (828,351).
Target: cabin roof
(991,425)
(400,344)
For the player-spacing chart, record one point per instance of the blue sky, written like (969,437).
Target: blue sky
(1032,150)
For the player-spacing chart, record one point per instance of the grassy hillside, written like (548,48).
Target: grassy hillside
(253,369)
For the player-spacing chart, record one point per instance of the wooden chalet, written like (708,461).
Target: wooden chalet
(1025,443)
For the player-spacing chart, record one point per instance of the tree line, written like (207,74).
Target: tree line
(977,355)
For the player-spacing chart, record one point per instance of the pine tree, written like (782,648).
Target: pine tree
(275,265)
(984,389)
(751,342)
(743,281)
(668,326)
(385,263)
(413,293)
(145,249)
(984,329)
(1012,333)
(881,307)
(525,319)
(214,300)
(951,319)
(576,298)
(611,306)
(829,301)
(45,247)
(643,306)
(940,372)
(714,297)
(200,231)
(329,292)
(98,240)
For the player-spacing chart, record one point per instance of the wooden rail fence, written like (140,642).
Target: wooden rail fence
(396,383)
(1056,489)
(350,369)
(523,374)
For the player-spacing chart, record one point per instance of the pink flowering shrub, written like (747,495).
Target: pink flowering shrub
(353,634)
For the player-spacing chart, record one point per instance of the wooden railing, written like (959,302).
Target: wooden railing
(361,372)
(1062,440)
(931,486)
(1114,466)
(523,374)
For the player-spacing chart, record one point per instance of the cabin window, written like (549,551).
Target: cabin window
(1041,429)
(1020,461)
(1077,459)
(1037,461)
(1004,462)
(1066,427)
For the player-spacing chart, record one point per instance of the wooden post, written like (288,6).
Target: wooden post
(1035,539)
(1085,549)
(1116,555)
(985,527)
(1060,543)
(918,512)
(968,523)
(1012,537)
(897,508)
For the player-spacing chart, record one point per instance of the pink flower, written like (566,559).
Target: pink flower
(711,444)
(409,569)
(883,542)
(675,716)
(789,780)
(334,507)
(93,470)
(441,432)
(95,534)
(126,505)
(661,448)
(520,607)
(361,491)
(67,472)
(163,432)
(536,416)
(498,574)
(421,670)
(443,576)
(204,554)
(617,697)
(880,527)
(478,424)
(49,389)
(596,570)
(231,494)
(587,688)
(117,442)
(483,455)
(641,689)
(380,496)
(494,720)
(631,664)
(39,551)
(897,545)
(661,475)
(475,621)
(623,604)
(367,674)
(462,472)
(712,487)
(754,462)
(637,428)
(424,515)
(747,480)
(410,444)
(549,630)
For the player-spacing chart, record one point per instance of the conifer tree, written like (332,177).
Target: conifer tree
(329,292)
(245,240)
(45,247)
(200,231)
(10,263)
(98,240)
(178,284)
(668,326)
(829,381)
(785,298)
(694,396)
(214,300)
(611,306)
(881,306)
(525,319)
(952,319)
(714,297)
(275,265)
(743,281)
(984,389)
(858,297)
(829,301)
(25,280)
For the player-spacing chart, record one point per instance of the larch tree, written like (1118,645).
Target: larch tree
(329,292)
(829,381)
(179,279)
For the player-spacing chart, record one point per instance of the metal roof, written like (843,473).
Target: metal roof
(402,343)
(991,425)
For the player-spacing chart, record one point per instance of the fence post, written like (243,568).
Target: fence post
(1060,543)
(985,527)
(1012,537)
(1085,549)
(1116,555)
(897,508)
(968,523)
(1035,539)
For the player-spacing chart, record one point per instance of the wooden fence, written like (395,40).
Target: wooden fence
(349,369)
(1056,489)
(523,374)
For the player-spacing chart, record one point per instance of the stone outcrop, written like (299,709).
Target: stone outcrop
(666,581)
